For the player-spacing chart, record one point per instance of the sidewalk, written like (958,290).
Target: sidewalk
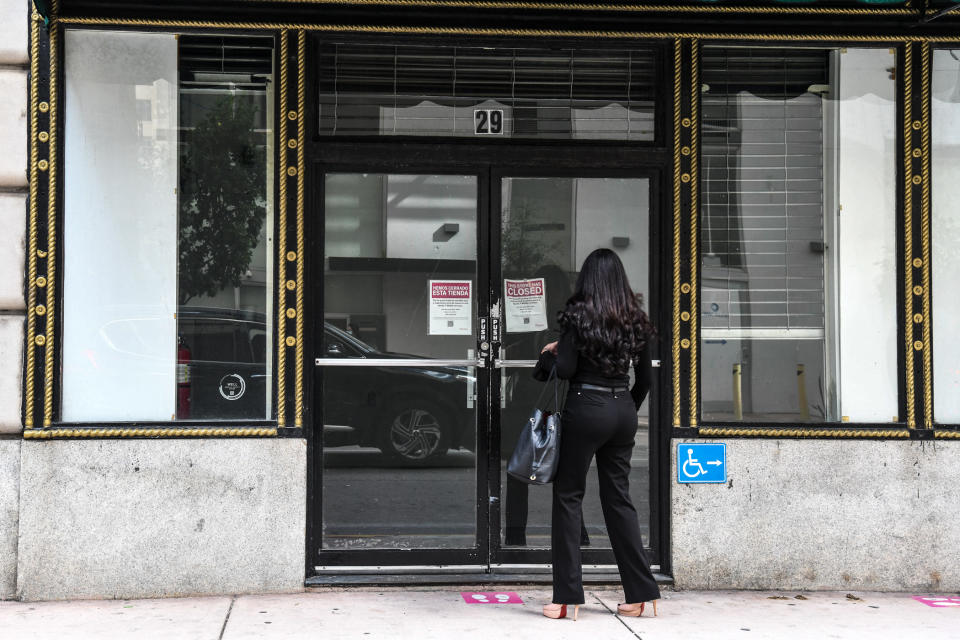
(443,614)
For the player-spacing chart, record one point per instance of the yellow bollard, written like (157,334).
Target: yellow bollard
(737,396)
(802,393)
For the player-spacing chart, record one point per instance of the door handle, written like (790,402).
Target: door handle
(471,381)
(520,364)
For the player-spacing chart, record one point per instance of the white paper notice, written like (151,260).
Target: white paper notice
(526,305)
(451,308)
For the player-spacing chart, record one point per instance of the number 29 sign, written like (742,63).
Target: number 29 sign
(488,122)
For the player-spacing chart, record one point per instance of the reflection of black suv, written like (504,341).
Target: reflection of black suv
(221,364)
(409,413)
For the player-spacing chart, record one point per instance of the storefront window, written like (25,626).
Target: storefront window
(798,235)
(486,93)
(946,235)
(168,227)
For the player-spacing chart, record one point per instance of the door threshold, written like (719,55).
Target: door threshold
(389,577)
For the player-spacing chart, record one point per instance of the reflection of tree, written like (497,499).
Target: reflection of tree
(524,249)
(222,199)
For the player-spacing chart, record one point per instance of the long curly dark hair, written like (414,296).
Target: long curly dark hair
(607,316)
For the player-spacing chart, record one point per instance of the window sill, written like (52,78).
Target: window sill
(263,429)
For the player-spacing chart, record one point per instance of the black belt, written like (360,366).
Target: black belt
(594,387)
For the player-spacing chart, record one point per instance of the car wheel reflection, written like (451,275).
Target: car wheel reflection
(416,432)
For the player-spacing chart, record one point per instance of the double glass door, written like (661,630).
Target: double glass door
(439,290)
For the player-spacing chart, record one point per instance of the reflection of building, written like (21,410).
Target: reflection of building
(217,372)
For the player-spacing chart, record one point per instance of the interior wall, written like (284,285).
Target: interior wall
(120,226)
(867,251)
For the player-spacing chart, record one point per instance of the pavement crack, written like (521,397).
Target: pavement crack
(619,619)
(223,629)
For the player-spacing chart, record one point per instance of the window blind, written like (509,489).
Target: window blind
(762,227)
(433,90)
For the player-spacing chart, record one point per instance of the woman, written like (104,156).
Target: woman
(604,333)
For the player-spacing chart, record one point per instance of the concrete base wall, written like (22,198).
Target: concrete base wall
(9,515)
(11,373)
(822,514)
(155,518)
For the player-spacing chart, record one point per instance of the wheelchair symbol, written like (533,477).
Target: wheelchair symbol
(692,462)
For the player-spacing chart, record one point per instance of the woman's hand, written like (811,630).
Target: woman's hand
(552,348)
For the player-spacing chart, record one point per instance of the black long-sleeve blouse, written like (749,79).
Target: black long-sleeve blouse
(570,366)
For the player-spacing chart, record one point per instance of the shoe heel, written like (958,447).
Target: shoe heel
(555,611)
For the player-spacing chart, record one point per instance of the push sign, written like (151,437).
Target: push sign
(701,462)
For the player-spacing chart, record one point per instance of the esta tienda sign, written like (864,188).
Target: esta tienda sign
(451,307)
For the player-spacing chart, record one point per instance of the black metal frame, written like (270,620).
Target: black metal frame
(801,21)
(488,490)
(867,428)
(56,422)
(489,160)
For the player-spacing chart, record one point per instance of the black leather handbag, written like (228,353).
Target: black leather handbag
(535,457)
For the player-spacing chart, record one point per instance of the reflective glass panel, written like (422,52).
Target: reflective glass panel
(549,225)
(168,227)
(486,92)
(399,278)
(798,235)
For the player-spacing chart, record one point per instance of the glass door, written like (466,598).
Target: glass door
(399,373)
(439,289)
(547,227)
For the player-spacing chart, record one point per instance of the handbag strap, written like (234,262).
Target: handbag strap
(556,389)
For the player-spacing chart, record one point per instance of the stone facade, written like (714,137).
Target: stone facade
(9,515)
(14,65)
(822,514)
(154,518)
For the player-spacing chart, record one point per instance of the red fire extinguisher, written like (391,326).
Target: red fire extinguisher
(183,380)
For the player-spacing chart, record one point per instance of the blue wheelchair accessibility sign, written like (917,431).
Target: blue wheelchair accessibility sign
(701,462)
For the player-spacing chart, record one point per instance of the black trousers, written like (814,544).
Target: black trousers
(602,424)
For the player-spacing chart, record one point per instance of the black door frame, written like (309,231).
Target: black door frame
(397,158)
(458,557)
(408,154)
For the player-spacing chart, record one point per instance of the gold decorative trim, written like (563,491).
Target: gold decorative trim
(677,44)
(802,432)
(694,228)
(161,432)
(583,6)
(947,435)
(301,128)
(54,46)
(282,237)
(925,213)
(908,230)
(32,230)
(499,31)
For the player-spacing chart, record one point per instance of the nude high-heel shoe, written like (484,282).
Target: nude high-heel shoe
(634,610)
(556,611)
